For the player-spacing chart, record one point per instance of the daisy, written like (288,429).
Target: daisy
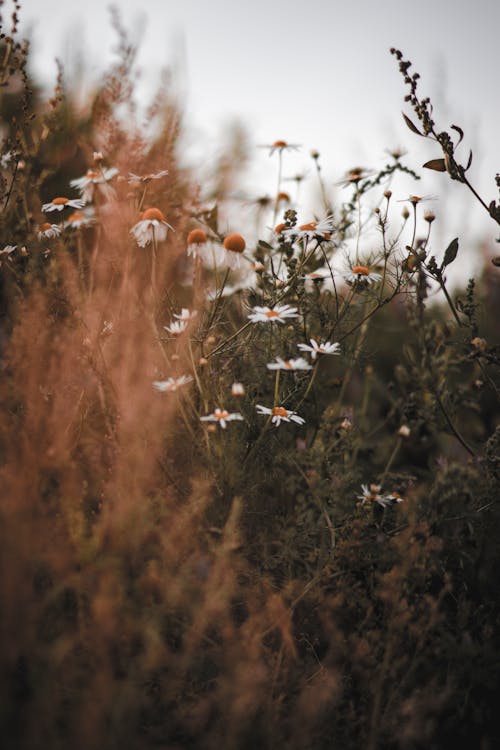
(92,178)
(289,364)
(312,230)
(135,178)
(238,390)
(373,494)
(280,146)
(393,497)
(361,274)
(315,348)
(186,315)
(152,226)
(48,231)
(59,204)
(170,385)
(222,417)
(317,275)
(278,314)
(79,219)
(234,246)
(354,175)
(8,250)
(280,414)
(176,328)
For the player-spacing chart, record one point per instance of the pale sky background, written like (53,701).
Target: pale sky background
(315,72)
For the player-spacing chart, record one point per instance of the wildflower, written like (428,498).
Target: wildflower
(79,219)
(48,231)
(315,348)
(317,275)
(59,204)
(280,414)
(136,179)
(87,184)
(429,217)
(416,199)
(354,175)
(277,314)
(280,146)
(170,385)
(222,417)
(8,250)
(289,364)
(361,274)
(312,230)
(372,494)
(152,226)
(186,315)
(393,497)
(176,328)
(238,390)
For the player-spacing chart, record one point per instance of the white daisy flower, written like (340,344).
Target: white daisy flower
(289,364)
(394,497)
(60,203)
(323,347)
(322,229)
(186,314)
(79,219)
(152,226)
(372,494)
(280,414)
(8,250)
(87,184)
(170,385)
(361,274)
(222,417)
(176,328)
(48,231)
(280,146)
(145,178)
(318,275)
(278,314)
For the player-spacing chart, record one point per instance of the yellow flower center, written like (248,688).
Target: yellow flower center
(150,214)
(235,243)
(361,270)
(279,411)
(60,201)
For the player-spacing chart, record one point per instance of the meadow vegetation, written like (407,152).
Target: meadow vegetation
(250,473)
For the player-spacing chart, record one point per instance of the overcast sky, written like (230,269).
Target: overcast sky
(316,72)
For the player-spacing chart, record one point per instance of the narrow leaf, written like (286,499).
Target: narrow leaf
(469,161)
(264,245)
(459,131)
(450,253)
(438,165)
(410,124)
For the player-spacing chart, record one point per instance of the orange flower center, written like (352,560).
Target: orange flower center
(150,214)
(60,201)
(197,237)
(272,314)
(279,411)
(361,270)
(414,199)
(92,175)
(222,414)
(235,243)
(279,228)
(44,226)
(310,227)
(283,197)
(280,144)
(288,364)
(76,216)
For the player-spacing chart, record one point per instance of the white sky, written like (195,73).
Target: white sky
(317,73)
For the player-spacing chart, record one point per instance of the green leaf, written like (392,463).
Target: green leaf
(450,253)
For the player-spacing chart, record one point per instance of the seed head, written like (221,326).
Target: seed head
(197,237)
(235,243)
